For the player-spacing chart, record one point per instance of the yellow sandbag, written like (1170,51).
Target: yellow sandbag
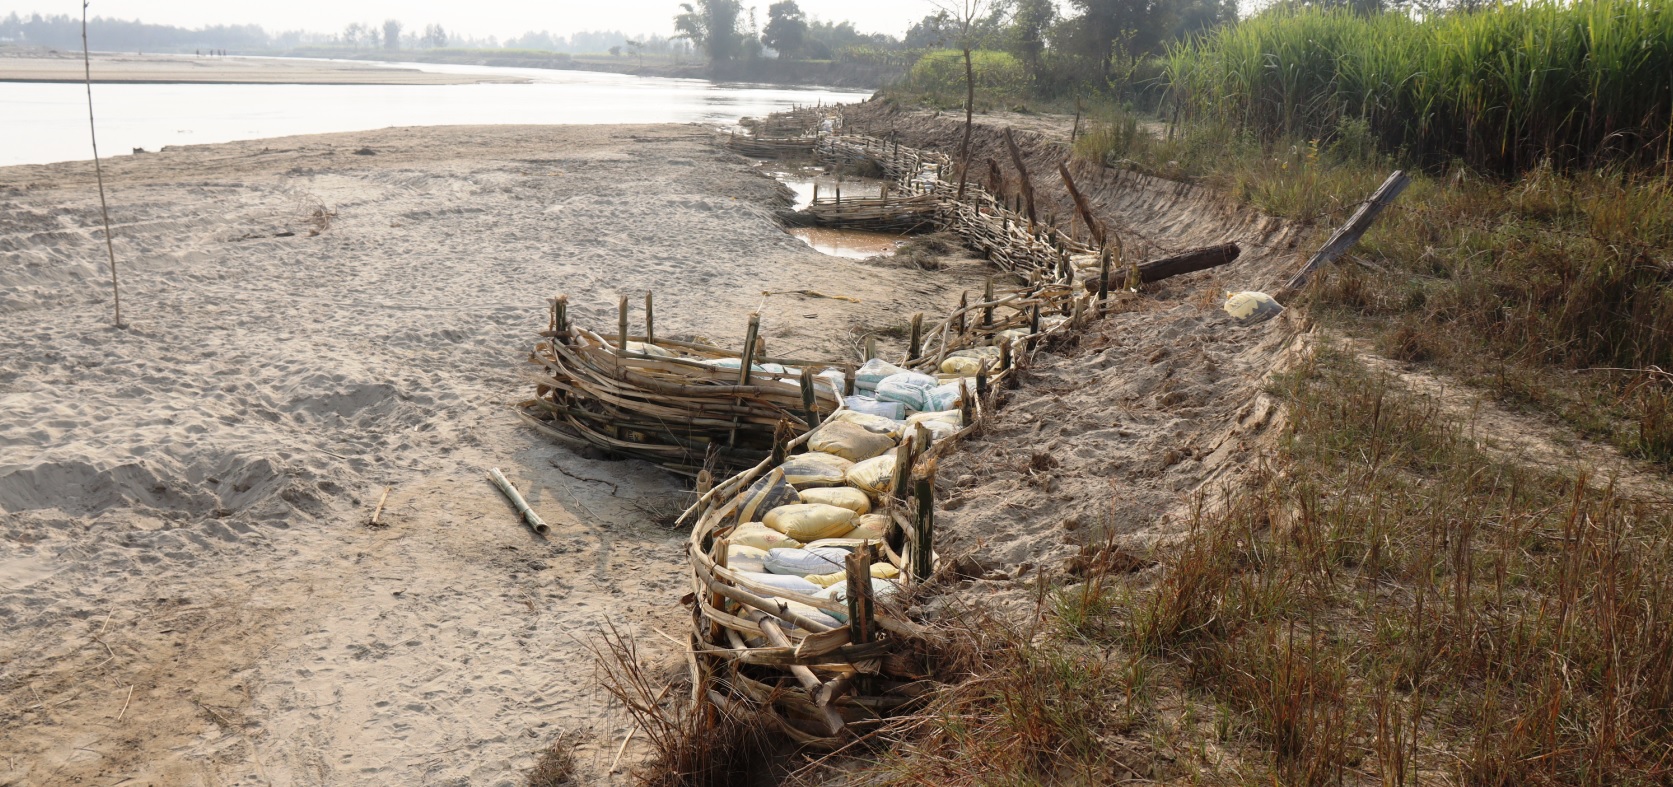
(868,422)
(963,367)
(881,570)
(851,441)
(873,475)
(810,521)
(954,417)
(1251,307)
(767,493)
(755,534)
(815,468)
(841,496)
(871,526)
(848,543)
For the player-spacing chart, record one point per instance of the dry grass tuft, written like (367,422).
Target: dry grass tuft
(556,767)
(693,746)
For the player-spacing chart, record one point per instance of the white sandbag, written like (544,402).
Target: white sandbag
(815,468)
(908,388)
(838,592)
(791,583)
(1251,307)
(873,372)
(742,557)
(755,534)
(849,441)
(813,613)
(893,411)
(802,562)
(810,521)
(868,422)
(648,349)
(948,396)
(873,475)
(832,380)
(841,496)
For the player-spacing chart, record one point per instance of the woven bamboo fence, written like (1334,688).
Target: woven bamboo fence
(686,407)
(824,667)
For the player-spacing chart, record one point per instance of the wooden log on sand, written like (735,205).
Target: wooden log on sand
(1167,267)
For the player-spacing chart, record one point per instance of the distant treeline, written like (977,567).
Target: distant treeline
(121,35)
(64,32)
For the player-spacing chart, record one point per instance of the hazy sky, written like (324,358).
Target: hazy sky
(473,17)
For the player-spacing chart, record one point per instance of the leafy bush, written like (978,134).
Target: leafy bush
(939,77)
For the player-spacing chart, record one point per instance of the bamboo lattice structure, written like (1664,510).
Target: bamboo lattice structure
(823,668)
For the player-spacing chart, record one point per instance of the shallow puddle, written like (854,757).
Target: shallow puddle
(852,244)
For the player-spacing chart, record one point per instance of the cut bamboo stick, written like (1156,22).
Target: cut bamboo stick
(529,516)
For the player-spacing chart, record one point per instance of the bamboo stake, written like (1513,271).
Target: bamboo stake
(809,399)
(1081,206)
(1104,274)
(378,512)
(650,320)
(529,516)
(987,298)
(915,346)
(98,167)
(621,322)
(1022,173)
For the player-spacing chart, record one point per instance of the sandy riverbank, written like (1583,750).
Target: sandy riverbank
(188,589)
(169,69)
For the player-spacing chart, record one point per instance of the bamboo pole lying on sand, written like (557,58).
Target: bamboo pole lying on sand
(529,516)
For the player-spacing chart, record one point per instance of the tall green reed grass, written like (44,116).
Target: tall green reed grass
(1502,89)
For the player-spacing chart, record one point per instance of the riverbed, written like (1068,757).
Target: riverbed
(47,121)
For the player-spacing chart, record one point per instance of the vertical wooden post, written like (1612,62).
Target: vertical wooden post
(815,199)
(1033,325)
(650,320)
(987,298)
(722,546)
(982,381)
(561,316)
(860,611)
(744,362)
(621,323)
(782,435)
(871,346)
(916,345)
(963,302)
(1104,275)
(810,401)
(750,336)
(923,526)
(1005,354)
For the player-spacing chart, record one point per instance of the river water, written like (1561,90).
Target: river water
(46,122)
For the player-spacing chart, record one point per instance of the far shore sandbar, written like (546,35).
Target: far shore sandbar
(180,69)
